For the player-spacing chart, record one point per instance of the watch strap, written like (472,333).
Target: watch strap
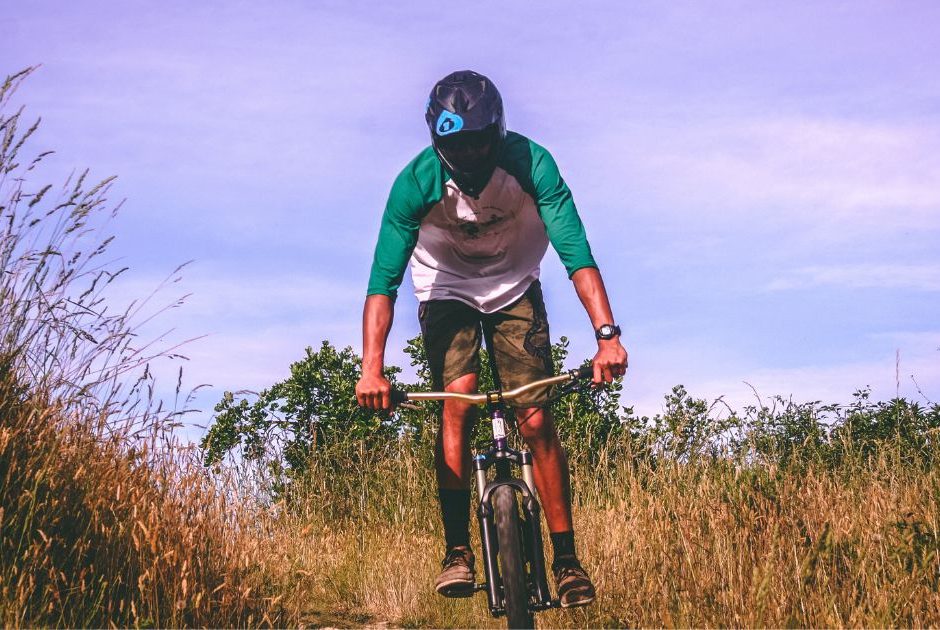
(602,332)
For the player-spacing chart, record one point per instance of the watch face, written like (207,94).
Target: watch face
(607,330)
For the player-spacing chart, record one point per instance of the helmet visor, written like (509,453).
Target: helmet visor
(470,151)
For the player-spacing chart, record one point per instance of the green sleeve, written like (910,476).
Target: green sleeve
(537,171)
(416,189)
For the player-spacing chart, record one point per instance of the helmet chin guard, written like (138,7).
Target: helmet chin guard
(467,124)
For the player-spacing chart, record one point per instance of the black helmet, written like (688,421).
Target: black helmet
(465,116)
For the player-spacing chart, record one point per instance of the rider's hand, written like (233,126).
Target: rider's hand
(374,392)
(610,362)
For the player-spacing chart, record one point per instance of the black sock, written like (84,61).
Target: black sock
(455,510)
(563,545)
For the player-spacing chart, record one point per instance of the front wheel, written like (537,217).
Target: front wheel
(511,559)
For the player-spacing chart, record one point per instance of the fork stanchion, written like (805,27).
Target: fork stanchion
(536,552)
(487,538)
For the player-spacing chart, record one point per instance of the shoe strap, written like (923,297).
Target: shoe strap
(453,555)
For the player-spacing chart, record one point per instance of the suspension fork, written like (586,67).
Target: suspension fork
(502,458)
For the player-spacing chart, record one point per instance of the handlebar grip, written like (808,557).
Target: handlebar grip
(583,372)
(399,397)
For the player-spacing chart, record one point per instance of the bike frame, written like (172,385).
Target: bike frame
(501,458)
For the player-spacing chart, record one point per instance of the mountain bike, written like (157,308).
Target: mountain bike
(509,513)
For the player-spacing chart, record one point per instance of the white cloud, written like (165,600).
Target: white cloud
(222,297)
(835,383)
(829,178)
(916,376)
(248,327)
(861,276)
(897,362)
(910,339)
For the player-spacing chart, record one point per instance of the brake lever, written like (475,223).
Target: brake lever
(568,388)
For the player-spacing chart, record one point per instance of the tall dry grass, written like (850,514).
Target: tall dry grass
(693,544)
(104,519)
(97,531)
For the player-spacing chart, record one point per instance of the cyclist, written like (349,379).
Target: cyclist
(475,212)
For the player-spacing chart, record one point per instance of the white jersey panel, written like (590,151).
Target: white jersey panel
(484,252)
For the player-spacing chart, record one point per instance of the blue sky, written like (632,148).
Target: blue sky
(758,180)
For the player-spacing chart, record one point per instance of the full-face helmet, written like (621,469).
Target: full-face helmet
(467,124)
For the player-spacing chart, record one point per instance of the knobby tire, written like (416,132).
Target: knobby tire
(511,558)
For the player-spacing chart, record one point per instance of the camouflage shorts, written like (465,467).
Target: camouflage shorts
(516,336)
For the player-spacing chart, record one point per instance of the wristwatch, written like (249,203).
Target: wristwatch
(607,331)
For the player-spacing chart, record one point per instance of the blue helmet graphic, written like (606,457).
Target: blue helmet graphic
(448,123)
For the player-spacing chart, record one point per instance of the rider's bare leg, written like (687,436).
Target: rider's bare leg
(452,449)
(550,466)
(452,463)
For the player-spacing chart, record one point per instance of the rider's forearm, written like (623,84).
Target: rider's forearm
(376,323)
(593,295)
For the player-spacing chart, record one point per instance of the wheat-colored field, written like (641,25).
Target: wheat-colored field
(95,534)
(701,544)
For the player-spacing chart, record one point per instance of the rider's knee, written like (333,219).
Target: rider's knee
(458,413)
(466,384)
(535,423)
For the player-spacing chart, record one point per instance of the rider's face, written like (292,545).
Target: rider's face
(467,150)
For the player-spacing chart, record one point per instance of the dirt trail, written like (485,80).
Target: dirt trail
(332,619)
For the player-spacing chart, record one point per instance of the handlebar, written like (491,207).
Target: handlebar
(399,397)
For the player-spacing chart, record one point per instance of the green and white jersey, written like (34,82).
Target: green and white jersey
(484,252)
